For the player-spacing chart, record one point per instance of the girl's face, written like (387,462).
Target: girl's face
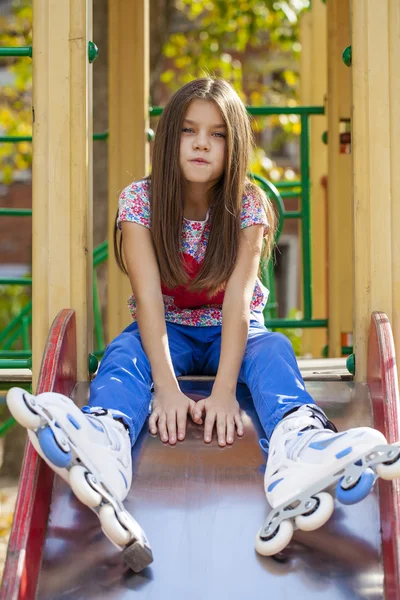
(203,143)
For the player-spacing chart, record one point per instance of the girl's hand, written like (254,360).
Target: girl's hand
(222,410)
(169,414)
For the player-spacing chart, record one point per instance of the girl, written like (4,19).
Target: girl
(192,235)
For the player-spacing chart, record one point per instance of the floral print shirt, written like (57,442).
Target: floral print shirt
(181,306)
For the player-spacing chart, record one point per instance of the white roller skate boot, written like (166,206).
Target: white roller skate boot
(309,463)
(92,452)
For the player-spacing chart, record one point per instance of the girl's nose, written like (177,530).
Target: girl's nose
(201,143)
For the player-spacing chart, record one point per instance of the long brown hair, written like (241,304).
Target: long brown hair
(166,190)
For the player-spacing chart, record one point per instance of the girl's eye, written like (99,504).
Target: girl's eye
(187,130)
(220,134)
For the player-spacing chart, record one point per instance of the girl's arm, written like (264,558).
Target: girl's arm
(222,405)
(170,405)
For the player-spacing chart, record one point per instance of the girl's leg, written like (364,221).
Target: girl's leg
(123,383)
(91,449)
(271,373)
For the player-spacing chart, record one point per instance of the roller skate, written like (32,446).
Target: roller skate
(309,463)
(91,451)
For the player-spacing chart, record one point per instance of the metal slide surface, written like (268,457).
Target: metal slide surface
(201,507)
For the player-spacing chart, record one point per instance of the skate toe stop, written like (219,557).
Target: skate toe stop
(137,556)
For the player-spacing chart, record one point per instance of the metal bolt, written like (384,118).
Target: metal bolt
(63,441)
(349,479)
(308,504)
(33,402)
(390,454)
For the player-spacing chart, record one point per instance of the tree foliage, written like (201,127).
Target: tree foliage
(16,97)
(223,38)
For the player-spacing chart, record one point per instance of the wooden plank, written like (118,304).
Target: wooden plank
(373,134)
(339,181)
(62,174)
(128,148)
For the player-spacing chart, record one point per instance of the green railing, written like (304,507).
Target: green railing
(18,329)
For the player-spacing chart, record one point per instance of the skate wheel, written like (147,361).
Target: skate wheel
(357,492)
(52,451)
(137,556)
(112,527)
(276,543)
(320,515)
(389,471)
(20,410)
(81,487)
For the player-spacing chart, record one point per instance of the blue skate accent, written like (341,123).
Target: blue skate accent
(96,425)
(52,450)
(274,484)
(322,444)
(358,463)
(359,491)
(344,452)
(264,445)
(74,422)
(124,478)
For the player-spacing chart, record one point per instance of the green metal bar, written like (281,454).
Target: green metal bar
(294,324)
(25,333)
(15,322)
(97,314)
(4,427)
(100,136)
(13,337)
(15,139)
(17,354)
(293,214)
(155,111)
(15,281)
(16,51)
(287,184)
(15,212)
(15,363)
(305,209)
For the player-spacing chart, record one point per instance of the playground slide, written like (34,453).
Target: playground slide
(201,507)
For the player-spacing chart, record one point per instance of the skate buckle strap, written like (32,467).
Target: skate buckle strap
(264,445)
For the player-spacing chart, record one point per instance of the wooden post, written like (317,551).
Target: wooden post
(339,180)
(128,125)
(313,78)
(376,152)
(62,172)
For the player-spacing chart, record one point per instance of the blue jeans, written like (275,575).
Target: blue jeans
(269,369)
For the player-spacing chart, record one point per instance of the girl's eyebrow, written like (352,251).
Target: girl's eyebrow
(219,126)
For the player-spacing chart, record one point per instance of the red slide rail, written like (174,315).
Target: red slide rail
(58,373)
(383,387)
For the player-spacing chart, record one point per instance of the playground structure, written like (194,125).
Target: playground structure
(362,217)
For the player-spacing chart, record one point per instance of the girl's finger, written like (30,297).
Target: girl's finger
(162,427)
(230,430)
(196,411)
(182,419)
(153,422)
(221,429)
(209,425)
(171,425)
(239,424)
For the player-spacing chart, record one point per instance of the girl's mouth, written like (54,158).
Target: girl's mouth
(199,161)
